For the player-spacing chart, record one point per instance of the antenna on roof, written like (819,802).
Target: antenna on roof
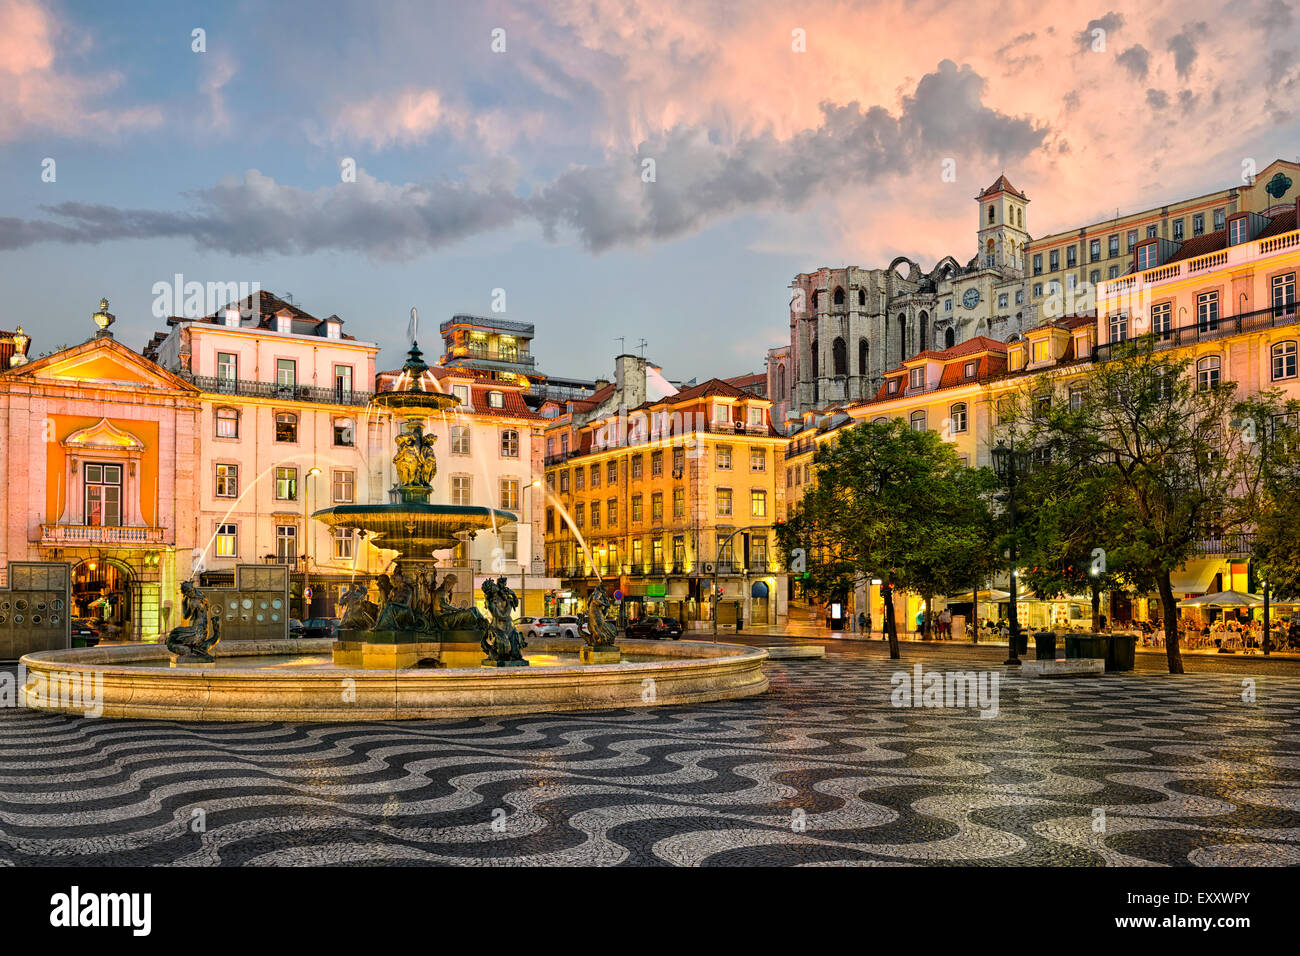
(288,297)
(641,345)
(621,340)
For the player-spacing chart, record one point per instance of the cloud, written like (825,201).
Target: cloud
(413,114)
(1136,60)
(1275,18)
(37,96)
(1110,23)
(1183,46)
(1157,99)
(698,181)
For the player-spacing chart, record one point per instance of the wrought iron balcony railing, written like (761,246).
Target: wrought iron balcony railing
(76,535)
(289,393)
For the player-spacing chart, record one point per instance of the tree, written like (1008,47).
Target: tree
(1271,423)
(898,505)
(1160,452)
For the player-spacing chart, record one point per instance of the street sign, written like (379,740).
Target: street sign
(307,593)
(618,595)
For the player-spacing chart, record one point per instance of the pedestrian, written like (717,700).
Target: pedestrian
(863,626)
(945,624)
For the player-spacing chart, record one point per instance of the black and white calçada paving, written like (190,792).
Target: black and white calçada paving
(823,769)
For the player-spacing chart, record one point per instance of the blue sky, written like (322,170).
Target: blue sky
(523,169)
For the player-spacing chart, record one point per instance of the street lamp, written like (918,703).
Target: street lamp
(1007,464)
(306,563)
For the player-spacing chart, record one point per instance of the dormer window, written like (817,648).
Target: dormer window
(892,387)
(496,399)
(917,378)
(755,416)
(969,369)
(232,318)
(1042,351)
(333,330)
(283,323)
(1147,256)
(1238,230)
(461,392)
(721,413)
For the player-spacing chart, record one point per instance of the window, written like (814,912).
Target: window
(1112,272)
(343,436)
(1207,373)
(755,419)
(1042,406)
(917,421)
(1132,239)
(580,515)
(1151,232)
(510,445)
(103,485)
(579,478)
(1118,327)
(656,464)
(970,369)
(460,489)
(227,481)
(679,502)
(564,482)
(595,514)
(1147,256)
(1077,395)
(721,414)
(550,520)
(496,399)
(227,423)
(1094,276)
(1198,224)
(1071,256)
(1284,360)
(1041,352)
(343,483)
(227,371)
(991,208)
(1054,260)
(286,427)
(1020,297)
(510,494)
(1003,300)
(460,439)
(227,540)
(724,501)
(1178,230)
(342,381)
(286,543)
(341,540)
(595,476)
(724,458)
(286,484)
(1094,250)
(612,511)
(757,459)
(917,378)
(1284,294)
(1038,264)
(461,393)
(1207,311)
(286,374)
(957,418)
(679,462)
(947,305)
(611,473)
(1162,319)
(892,386)
(758,503)
(1038,290)
(1112,246)
(636,508)
(657,506)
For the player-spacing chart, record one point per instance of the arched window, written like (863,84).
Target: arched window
(923,320)
(902,337)
(814,358)
(917,421)
(882,420)
(949,339)
(957,418)
(227,423)
(991,213)
(1284,360)
(816,294)
(862,297)
(839,295)
(988,247)
(864,356)
(1207,372)
(840,356)
(286,426)
(780,380)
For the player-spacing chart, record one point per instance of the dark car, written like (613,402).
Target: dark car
(319,627)
(295,627)
(655,628)
(85,632)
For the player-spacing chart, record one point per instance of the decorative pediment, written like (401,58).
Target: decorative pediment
(102,436)
(101,361)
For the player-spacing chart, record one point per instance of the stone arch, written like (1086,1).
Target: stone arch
(864,356)
(840,357)
(838,298)
(949,338)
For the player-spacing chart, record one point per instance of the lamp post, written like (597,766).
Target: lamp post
(1007,462)
(306,564)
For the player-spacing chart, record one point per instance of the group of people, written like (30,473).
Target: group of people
(1231,632)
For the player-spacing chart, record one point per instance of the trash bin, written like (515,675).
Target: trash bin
(1086,645)
(1022,644)
(1045,645)
(1120,652)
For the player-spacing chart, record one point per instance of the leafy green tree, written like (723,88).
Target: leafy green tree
(1272,424)
(1162,453)
(898,505)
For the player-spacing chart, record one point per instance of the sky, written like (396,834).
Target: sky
(605,169)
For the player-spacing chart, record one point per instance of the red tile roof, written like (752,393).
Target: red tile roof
(1002,184)
(268,305)
(1197,246)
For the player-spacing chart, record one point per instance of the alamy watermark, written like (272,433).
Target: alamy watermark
(946,689)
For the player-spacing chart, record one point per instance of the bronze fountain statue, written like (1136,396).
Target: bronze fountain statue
(192,641)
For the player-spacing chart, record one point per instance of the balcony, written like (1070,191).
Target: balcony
(1236,255)
(289,393)
(1257,321)
(1237,545)
(79,535)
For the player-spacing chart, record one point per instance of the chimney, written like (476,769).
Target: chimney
(629,378)
(232,318)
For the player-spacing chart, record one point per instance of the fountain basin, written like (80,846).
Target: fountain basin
(414,529)
(139,681)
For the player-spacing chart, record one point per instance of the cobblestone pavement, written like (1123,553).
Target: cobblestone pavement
(1126,769)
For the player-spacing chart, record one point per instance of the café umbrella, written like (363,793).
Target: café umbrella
(1224,599)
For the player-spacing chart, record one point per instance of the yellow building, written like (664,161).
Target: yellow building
(662,500)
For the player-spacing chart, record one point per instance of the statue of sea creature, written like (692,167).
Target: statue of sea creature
(501,641)
(191,642)
(603,632)
(356,614)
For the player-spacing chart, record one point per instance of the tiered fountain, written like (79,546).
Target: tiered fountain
(416,621)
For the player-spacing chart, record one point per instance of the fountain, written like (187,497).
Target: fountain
(413,654)
(415,622)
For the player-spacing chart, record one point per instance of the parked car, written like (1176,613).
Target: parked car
(320,627)
(295,627)
(85,632)
(531,627)
(570,626)
(655,628)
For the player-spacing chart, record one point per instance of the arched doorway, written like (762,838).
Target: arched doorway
(102,591)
